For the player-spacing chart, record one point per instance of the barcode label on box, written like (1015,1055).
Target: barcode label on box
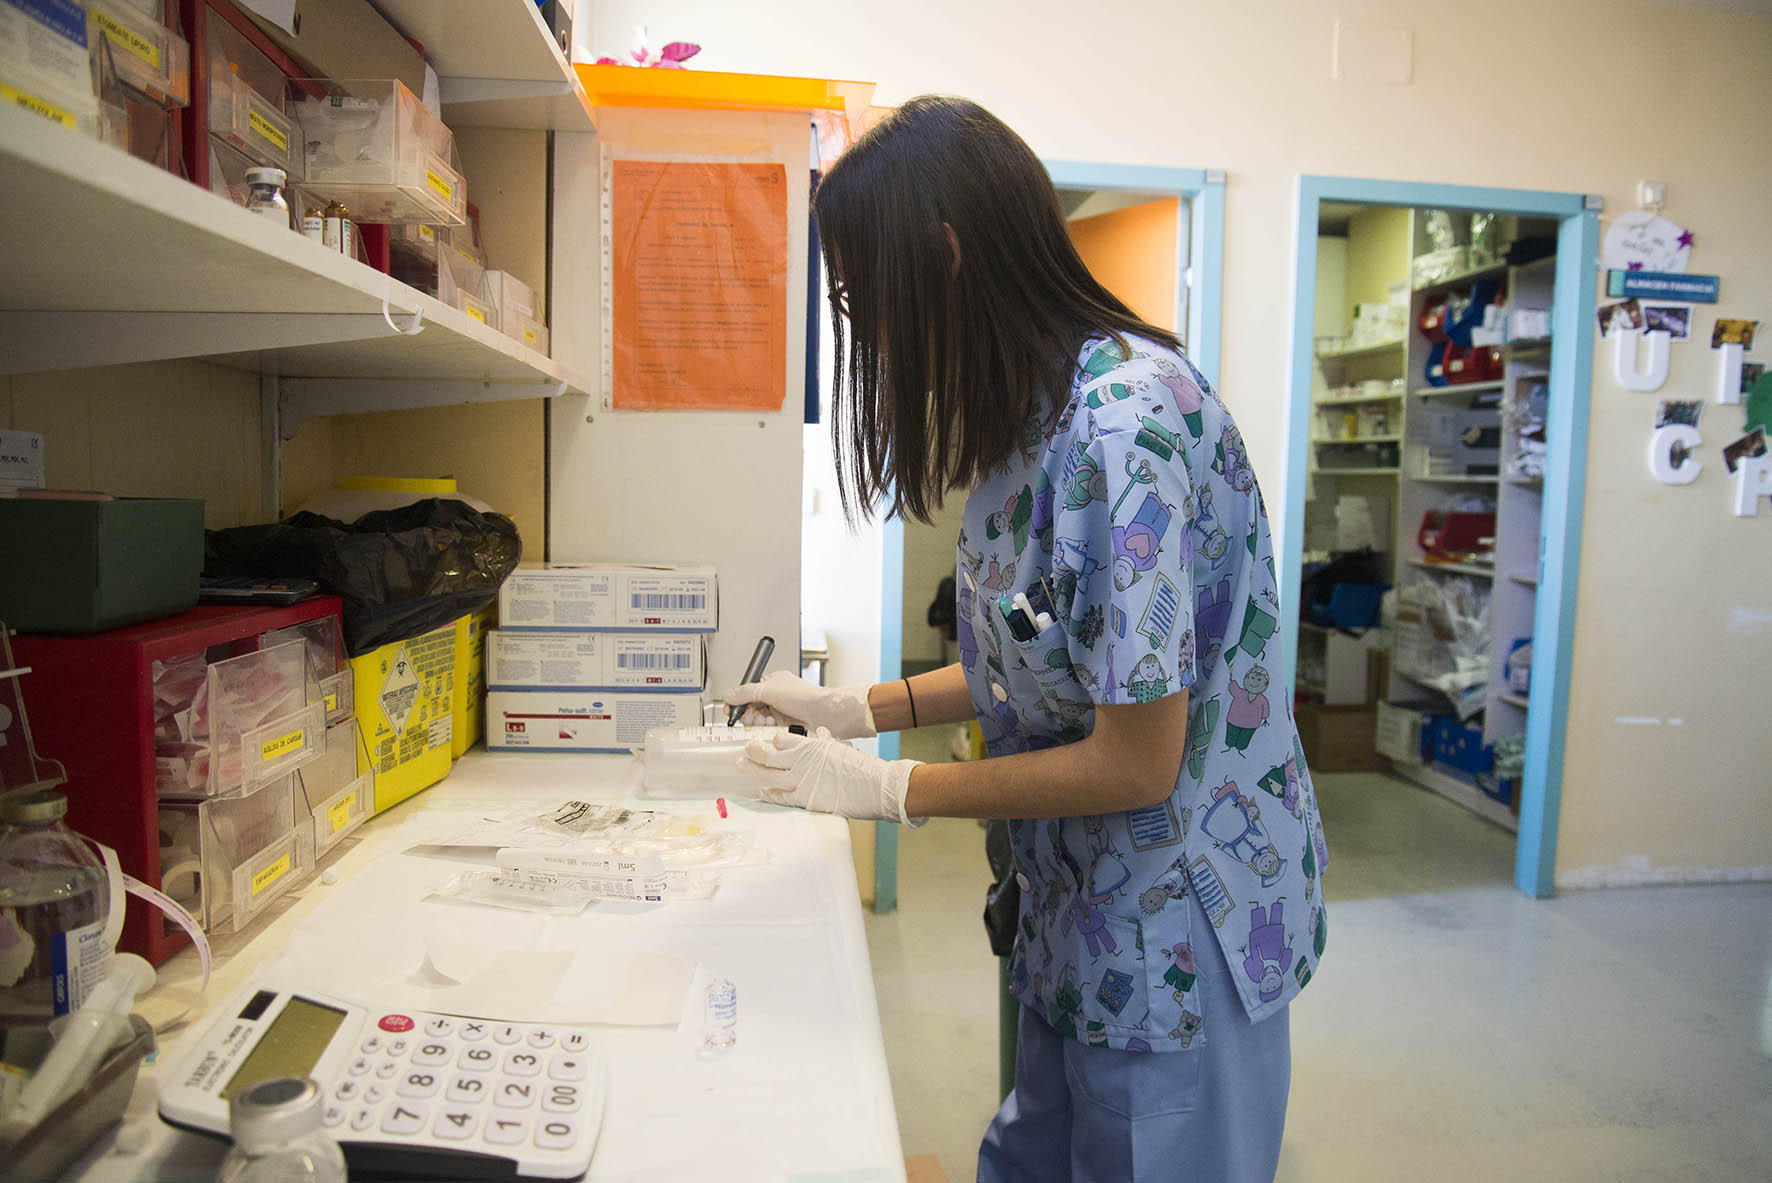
(666,602)
(654,661)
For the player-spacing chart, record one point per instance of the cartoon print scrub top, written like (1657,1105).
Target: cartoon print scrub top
(1131,515)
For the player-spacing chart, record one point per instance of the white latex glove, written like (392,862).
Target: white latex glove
(822,773)
(841,710)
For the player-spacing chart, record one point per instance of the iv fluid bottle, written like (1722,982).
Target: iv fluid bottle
(54,901)
(720,1019)
(275,1125)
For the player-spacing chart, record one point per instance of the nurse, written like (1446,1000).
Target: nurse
(1171,900)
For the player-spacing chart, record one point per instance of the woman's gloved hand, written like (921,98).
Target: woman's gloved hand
(842,710)
(824,774)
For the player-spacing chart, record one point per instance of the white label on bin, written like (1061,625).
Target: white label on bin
(338,814)
(268,130)
(125,37)
(399,693)
(282,745)
(263,881)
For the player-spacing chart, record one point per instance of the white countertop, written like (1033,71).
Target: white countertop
(804,1097)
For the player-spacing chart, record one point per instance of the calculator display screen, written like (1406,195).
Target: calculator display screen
(291,1046)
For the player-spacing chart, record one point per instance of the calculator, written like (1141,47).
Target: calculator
(408,1094)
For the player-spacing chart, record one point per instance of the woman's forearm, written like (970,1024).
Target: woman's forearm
(1130,760)
(941,697)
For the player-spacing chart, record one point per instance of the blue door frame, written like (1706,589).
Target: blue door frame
(1204,232)
(1559,542)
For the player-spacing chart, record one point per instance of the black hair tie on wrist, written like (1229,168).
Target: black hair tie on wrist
(911,698)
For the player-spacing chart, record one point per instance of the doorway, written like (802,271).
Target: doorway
(1154,237)
(1436,443)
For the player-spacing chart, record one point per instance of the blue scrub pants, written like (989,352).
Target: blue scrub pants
(1212,1113)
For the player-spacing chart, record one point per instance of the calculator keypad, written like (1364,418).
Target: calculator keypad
(464,1081)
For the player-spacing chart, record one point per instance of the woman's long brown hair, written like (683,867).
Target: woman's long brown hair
(941,360)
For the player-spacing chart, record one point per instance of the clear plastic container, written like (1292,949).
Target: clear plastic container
(228,858)
(54,901)
(511,299)
(45,63)
(277,1135)
(373,146)
(337,796)
(143,54)
(532,333)
(253,124)
(265,717)
(327,666)
(476,308)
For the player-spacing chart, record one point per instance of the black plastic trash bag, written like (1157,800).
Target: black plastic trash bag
(400,572)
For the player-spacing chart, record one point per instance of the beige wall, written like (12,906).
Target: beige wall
(1377,255)
(161,429)
(1539,86)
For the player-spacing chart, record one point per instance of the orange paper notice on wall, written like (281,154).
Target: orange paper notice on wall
(700,258)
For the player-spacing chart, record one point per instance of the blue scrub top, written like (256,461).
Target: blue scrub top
(1131,511)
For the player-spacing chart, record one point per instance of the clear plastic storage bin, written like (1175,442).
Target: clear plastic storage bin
(145,55)
(45,64)
(330,673)
(532,333)
(254,125)
(374,147)
(228,858)
(476,308)
(336,796)
(265,719)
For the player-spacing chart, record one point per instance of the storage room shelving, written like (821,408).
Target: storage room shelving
(111,260)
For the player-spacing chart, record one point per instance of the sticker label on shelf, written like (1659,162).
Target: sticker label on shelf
(428,234)
(271,133)
(262,881)
(474,312)
(127,38)
(282,745)
(443,187)
(338,814)
(530,336)
(332,702)
(37,106)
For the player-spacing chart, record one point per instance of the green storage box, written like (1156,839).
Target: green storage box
(87,566)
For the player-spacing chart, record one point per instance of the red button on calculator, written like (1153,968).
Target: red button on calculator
(395,1023)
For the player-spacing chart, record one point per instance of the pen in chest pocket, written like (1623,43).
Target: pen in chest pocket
(1028,613)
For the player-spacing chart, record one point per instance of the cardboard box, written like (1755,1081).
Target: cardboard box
(468,699)
(610,598)
(582,720)
(90,566)
(346,39)
(1339,738)
(404,692)
(595,661)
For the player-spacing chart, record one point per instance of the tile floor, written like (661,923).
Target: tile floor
(1457,1031)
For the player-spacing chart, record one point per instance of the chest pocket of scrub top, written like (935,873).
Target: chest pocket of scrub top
(1044,688)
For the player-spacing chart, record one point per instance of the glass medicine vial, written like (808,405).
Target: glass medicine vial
(336,227)
(264,194)
(720,1016)
(313,223)
(54,900)
(275,1125)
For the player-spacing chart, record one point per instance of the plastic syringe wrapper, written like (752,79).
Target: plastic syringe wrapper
(561,882)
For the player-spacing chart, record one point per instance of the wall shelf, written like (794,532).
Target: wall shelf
(1365,439)
(1380,350)
(1459,790)
(1329,404)
(1455,568)
(1513,700)
(1459,388)
(1462,278)
(1524,579)
(111,260)
(497,63)
(1353,472)
(1450,479)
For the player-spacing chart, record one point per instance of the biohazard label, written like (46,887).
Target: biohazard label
(399,691)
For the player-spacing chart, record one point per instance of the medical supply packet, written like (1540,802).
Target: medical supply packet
(586,830)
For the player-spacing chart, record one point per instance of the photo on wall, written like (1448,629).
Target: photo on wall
(1624,315)
(1751,444)
(1678,412)
(1733,332)
(1673,319)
